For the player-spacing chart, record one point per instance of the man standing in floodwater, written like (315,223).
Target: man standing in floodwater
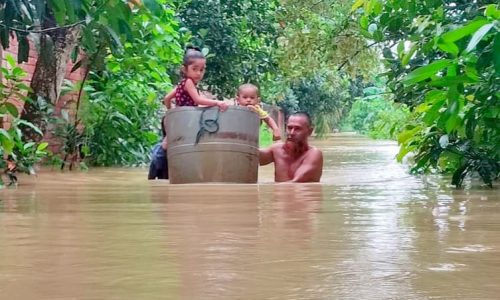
(295,160)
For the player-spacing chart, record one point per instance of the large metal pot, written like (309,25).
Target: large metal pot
(206,145)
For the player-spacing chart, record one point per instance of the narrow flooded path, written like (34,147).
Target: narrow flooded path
(368,231)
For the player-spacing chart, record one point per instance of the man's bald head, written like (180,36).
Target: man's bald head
(302,114)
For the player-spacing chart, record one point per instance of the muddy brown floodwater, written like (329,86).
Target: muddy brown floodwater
(368,231)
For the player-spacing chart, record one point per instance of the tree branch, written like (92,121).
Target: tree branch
(27,31)
(355,54)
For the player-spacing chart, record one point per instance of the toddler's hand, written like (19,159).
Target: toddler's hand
(276,135)
(253,108)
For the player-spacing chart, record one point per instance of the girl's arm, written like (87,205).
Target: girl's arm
(168,99)
(200,100)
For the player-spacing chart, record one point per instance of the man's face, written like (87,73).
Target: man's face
(298,129)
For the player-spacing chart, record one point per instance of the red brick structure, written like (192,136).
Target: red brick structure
(66,102)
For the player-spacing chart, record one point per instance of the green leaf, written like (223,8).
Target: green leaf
(377,7)
(23,48)
(496,53)
(4,37)
(434,112)
(407,134)
(471,72)
(451,116)
(363,22)
(425,72)
(368,6)
(406,58)
(42,146)
(478,36)
(357,5)
(448,47)
(28,145)
(463,31)
(403,151)
(117,44)
(88,40)
(12,109)
(59,11)
(153,6)
(492,12)
(10,60)
(401,48)
(450,80)
(435,95)
(70,10)
(6,141)
(26,123)
(74,53)
(122,117)
(378,36)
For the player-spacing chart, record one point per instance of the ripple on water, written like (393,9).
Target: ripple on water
(447,267)
(469,249)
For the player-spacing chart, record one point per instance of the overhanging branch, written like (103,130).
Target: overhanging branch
(355,54)
(27,31)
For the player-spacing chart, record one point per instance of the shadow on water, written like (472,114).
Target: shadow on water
(368,231)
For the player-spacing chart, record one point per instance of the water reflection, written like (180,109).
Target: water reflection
(369,231)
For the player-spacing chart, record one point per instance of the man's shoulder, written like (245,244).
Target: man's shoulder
(276,146)
(314,152)
(315,149)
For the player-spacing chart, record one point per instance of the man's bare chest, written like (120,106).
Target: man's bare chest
(289,164)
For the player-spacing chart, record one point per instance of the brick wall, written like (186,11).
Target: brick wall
(66,102)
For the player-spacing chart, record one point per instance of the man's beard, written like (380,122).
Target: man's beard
(295,149)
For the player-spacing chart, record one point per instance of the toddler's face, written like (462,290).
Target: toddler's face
(248,96)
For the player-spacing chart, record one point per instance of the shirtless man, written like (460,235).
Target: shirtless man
(295,160)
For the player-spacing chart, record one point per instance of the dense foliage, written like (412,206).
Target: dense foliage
(12,145)
(443,60)
(324,96)
(239,38)
(375,115)
(121,112)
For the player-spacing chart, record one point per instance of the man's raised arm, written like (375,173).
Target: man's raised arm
(266,156)
(311,168)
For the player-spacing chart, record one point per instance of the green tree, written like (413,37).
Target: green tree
(60,29)
(322,59)
(443,60)
(12,144)
(239,38)
(120,109)
(376,115)
(320,36)
(324,96)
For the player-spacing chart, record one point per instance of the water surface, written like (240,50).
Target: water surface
(368,231)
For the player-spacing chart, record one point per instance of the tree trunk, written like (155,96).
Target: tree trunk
(50,70)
